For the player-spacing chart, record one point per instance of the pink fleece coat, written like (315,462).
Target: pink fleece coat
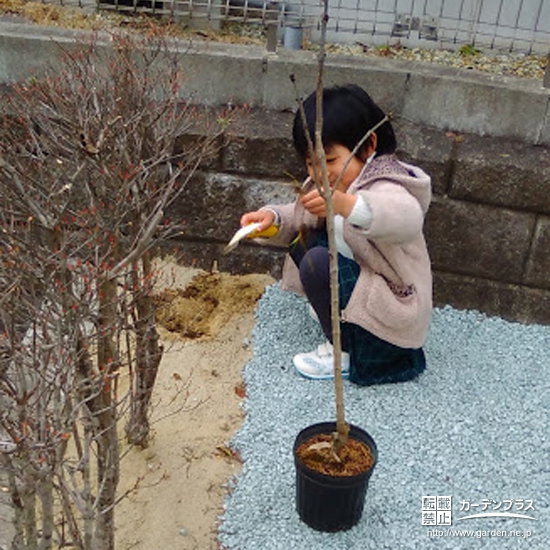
(393,294)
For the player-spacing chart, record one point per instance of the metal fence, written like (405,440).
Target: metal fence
(521,26)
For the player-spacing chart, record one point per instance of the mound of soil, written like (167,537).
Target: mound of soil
(203,308)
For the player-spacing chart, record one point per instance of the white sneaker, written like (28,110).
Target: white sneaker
(319,364)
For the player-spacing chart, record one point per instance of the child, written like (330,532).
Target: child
(384,270)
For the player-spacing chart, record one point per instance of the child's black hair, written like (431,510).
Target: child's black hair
(348,114)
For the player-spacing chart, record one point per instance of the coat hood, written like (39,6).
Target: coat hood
(389,169)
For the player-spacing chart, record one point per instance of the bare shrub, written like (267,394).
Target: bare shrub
(88,166)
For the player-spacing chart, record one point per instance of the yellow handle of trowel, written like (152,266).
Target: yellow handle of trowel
(271,231)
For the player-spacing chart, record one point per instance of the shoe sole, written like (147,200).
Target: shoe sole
(345,375)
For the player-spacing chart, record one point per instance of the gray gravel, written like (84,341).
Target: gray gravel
(474,427)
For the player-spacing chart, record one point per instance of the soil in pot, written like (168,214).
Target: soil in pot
(317,454)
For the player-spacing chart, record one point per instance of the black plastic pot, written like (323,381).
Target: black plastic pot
(331,503)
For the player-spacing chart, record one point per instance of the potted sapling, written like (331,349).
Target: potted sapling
(333,460)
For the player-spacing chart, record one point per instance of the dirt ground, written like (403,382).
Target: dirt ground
(176,487)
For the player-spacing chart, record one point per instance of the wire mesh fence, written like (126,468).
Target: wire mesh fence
(519,26)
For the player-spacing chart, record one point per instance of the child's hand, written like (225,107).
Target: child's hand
(265,217)
(314,203)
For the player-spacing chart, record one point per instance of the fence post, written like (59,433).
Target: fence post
(546,79)
(272,20)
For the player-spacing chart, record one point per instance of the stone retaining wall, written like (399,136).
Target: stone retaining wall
(488,229)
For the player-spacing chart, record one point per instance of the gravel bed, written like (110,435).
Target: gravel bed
(474,426)
(508,64)
(464,57)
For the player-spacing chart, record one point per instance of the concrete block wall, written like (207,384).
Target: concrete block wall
(485,139)
(432,95)
(487,230)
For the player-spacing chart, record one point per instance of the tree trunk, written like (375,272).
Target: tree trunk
(28,500)
(83,445)
(18,540)
(107,480)
(148,355)
(104,411)
(45,494)
(342,428)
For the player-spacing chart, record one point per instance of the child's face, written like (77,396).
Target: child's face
(336,156)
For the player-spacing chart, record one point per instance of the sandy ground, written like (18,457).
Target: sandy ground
(175,489)
(177,486)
